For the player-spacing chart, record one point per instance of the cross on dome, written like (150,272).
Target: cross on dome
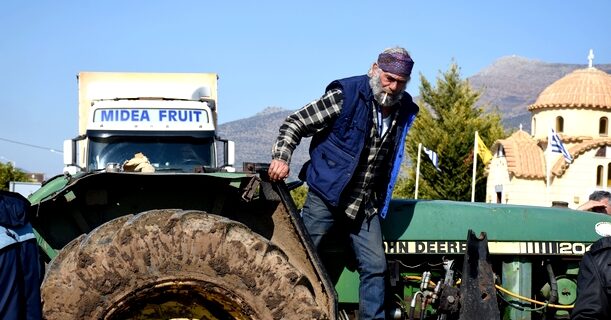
(590,58)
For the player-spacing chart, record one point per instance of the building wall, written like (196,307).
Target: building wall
(527,191)
(575,185)
(513,190)
(577,121)
(498,177)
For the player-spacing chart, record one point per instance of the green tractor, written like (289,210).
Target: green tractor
(451,260)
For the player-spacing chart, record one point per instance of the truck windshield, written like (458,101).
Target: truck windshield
(170,153)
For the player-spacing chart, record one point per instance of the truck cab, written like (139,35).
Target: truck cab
(169,120)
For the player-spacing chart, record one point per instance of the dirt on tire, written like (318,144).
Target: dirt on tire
(175,264)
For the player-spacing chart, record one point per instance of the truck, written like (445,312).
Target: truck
(152,220)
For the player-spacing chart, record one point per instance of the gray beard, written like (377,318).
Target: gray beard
(378,92)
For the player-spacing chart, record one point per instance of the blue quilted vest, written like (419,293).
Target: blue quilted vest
(335,152)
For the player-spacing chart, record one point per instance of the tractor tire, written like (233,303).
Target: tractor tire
(175,264)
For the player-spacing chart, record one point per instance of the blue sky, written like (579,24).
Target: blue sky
(267,53)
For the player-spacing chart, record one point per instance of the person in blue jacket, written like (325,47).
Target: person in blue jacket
(19,261)
(358,129)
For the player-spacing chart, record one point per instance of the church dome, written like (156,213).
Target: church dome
(588,88)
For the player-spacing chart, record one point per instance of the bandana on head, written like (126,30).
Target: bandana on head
(396,63)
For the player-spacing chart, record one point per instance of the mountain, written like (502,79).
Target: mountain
(255,136)
(509,85)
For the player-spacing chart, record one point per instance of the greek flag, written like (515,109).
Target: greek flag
(558,147)
(433,156)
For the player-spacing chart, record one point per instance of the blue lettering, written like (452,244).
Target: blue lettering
(124,115)
(145,116)
(141,115)
(135,115)
(197,114)
(107,115)
(182,115)
(172,115)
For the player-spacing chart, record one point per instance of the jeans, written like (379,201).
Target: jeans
(366,242)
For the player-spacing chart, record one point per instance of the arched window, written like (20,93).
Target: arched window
(500,152)
(599,176)
(559,124)
(601,152)
(608,175)
(603,123)
(533,126)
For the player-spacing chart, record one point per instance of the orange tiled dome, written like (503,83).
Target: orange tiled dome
(588,87)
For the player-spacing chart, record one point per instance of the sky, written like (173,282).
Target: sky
(266,53)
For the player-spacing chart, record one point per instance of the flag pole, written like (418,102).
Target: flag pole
(474,167)
(417,171)
(548,165)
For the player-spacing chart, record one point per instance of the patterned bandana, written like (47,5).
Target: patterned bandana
(396,63)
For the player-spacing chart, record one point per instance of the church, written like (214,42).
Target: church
(524,170)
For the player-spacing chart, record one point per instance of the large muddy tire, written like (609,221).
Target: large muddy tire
(167,264)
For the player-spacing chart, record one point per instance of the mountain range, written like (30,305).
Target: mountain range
(509,85)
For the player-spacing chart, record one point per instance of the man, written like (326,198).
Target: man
(598,202)
(593,283)
(358,127)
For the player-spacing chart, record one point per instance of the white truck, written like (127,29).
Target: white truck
(167,121)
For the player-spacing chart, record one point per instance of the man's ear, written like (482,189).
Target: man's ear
(373,68)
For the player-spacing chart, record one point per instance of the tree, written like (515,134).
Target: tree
(446,124)
(9,173)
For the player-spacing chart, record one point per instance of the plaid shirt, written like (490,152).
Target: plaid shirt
(314,117)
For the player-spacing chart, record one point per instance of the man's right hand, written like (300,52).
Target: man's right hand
(278,170)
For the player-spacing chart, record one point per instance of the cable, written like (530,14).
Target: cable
(557,306)
(418,278)
(31,145)
(512,304)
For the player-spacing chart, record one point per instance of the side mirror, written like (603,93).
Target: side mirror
(228,154)
(69,152)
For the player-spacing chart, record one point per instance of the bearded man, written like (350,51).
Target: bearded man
(358,130)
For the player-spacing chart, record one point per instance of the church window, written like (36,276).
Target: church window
(603,124)
(559,124)
(601,152)
(599,176)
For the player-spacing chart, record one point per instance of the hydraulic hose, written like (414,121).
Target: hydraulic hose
(553,297)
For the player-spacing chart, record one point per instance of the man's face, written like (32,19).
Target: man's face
(387,87)
(391,83)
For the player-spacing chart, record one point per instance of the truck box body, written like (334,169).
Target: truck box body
(166,117)
(95,86)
